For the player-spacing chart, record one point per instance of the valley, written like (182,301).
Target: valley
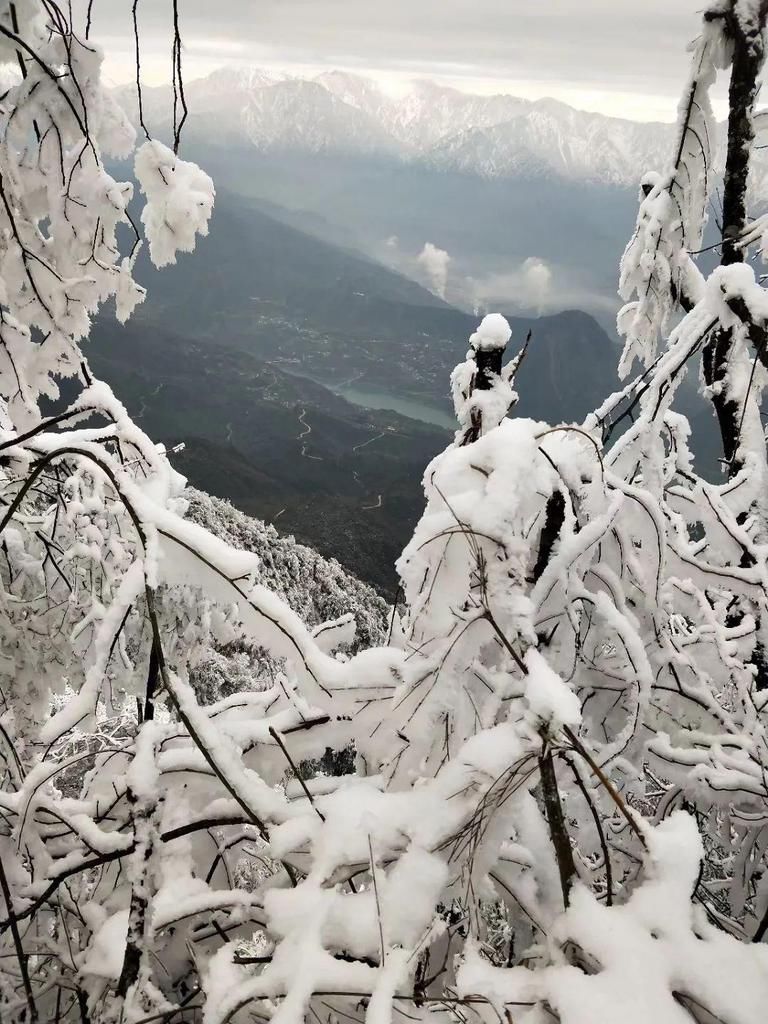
(244,356)
(281,447)
(315,309)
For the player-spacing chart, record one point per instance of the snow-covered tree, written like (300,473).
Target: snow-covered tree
(559,803)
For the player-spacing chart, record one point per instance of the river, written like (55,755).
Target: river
(416,409)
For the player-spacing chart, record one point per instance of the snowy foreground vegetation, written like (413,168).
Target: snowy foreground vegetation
(540,794)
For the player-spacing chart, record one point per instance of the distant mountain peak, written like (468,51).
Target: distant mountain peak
(488,135)
(242,77)
(349,86)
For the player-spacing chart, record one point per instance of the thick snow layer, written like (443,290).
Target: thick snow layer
(551,700)
(644,960)
(493,333)
(104,957)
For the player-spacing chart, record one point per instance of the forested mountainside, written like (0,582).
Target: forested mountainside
(318,589)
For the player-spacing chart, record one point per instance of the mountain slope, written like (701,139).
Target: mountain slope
(318,589)
(489,226)
(261,287)
(553,139)
(281,447)
(252,264)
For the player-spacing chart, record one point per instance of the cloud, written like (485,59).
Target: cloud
(434,262)
(537,281)
(527,287)
(618,58)
(535,287)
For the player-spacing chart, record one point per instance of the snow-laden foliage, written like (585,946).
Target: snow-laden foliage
(318,589)
(179,201)
(559,807)
(325,596)
(658,271)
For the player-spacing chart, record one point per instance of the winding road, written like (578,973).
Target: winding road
(152,393)
(305,433)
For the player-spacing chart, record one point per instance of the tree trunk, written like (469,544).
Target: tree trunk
(748,58)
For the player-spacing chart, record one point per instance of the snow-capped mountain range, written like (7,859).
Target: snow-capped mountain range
(492,136)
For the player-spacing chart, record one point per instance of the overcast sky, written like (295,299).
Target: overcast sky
(621,57)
